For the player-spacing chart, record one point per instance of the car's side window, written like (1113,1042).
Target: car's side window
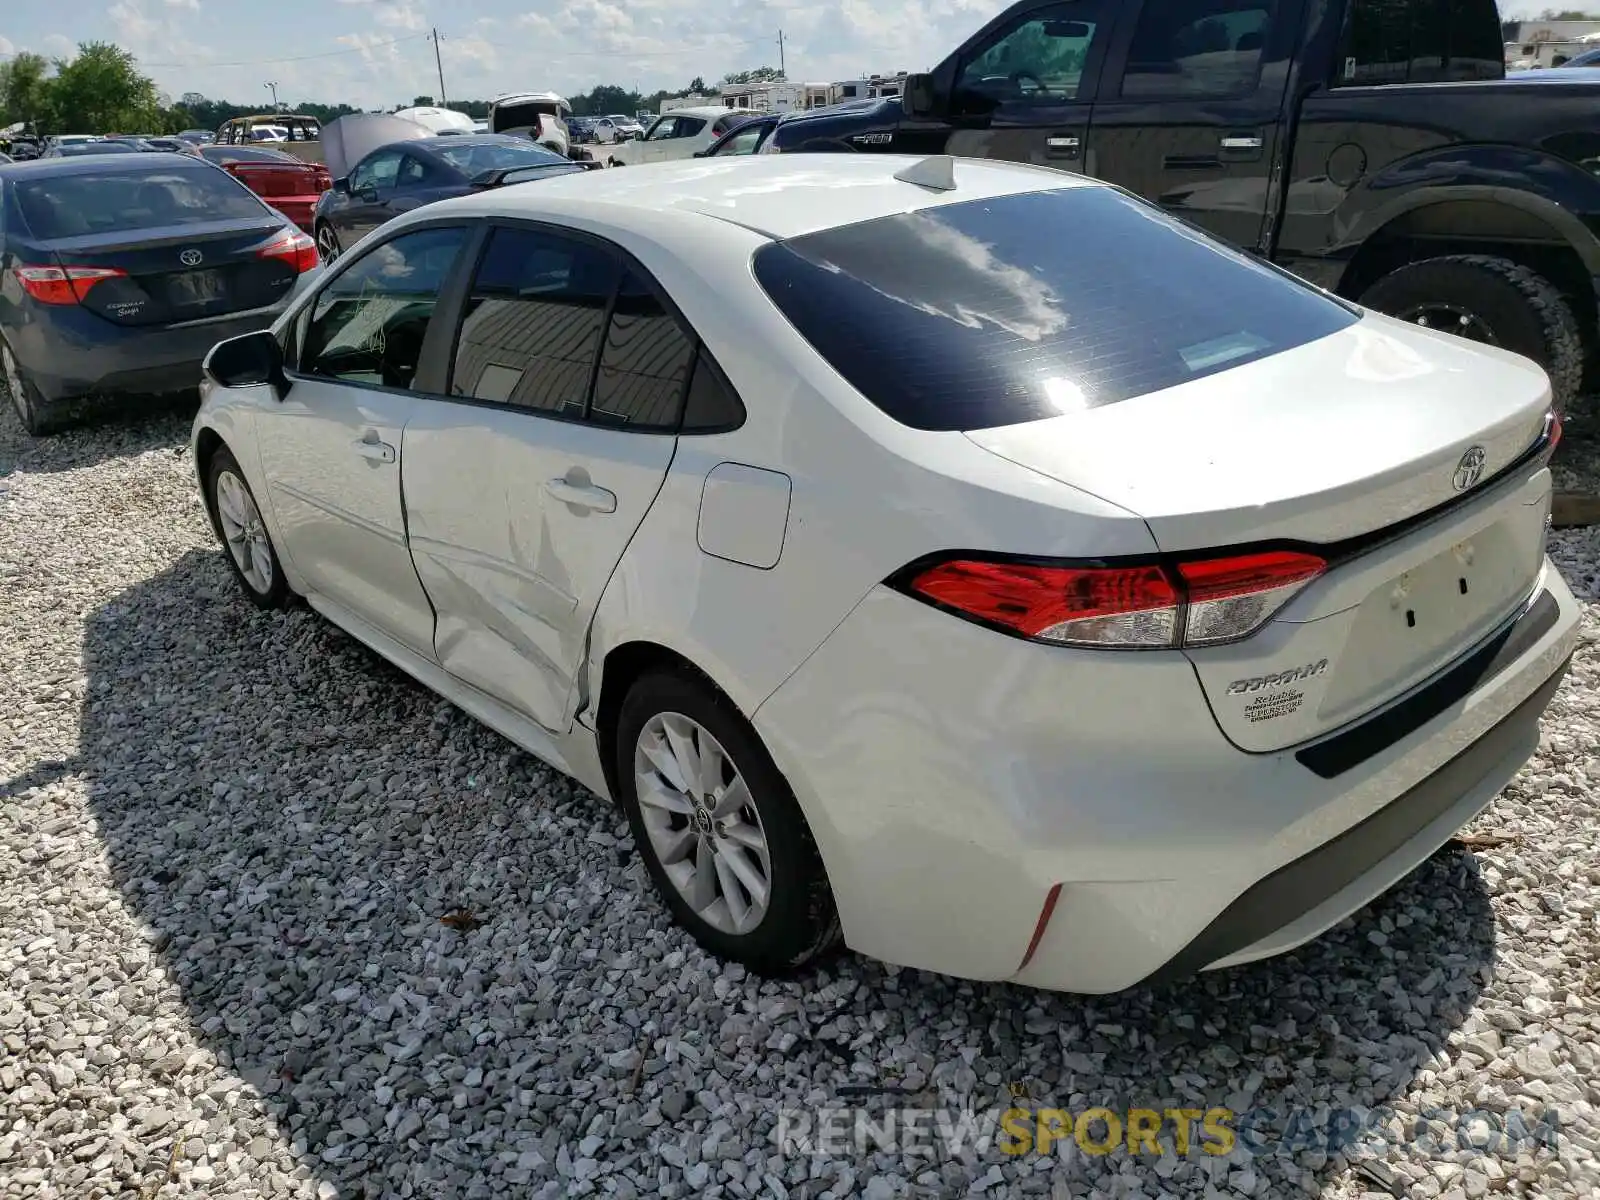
(1037,61)
(413,172)
(689,126)
(367,326)
(643,363)
(664,128)
(1189,49)
(533,320)
(376,170)
(712,405)
(743,142)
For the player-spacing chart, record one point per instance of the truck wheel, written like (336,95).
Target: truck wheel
(1490,300)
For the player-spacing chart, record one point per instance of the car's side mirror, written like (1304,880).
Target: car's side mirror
(921,96)
(342,184)
(249,360)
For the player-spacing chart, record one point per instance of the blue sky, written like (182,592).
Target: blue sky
(375,52)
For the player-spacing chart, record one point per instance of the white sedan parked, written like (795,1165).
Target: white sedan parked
(676,135)
(962,559)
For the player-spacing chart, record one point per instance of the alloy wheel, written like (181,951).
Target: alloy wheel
(702,823)
(327,243)
(243,530)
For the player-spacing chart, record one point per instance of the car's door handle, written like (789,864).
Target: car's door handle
(1064,146)
(1242,142)
(582,495)
(370,447)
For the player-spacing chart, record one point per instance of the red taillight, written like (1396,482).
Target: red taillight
(324,179)
(293,247)
(1552,429)
(1196,602)
(63,285)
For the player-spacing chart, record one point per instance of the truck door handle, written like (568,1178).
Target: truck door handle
(1064,146)
(369,446)
(582,495)
(1242,142)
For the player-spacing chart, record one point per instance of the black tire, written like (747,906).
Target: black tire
(26,402)
(276,594)
(1519,310)
(801,923)
(328,240)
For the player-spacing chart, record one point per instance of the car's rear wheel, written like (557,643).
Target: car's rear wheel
(328,247)
(1493,301)
(719,829)
(25,399)
(251,554)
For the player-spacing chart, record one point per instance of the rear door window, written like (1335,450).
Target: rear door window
(644,363)
(116,201)
(993,312)
(1187,49)
(531,328)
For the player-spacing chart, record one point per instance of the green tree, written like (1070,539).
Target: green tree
(101,91)
(24,89)
(759,75)
(697,85)
(421,102)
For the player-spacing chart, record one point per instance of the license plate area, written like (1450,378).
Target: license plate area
(196,289)
(1419,619)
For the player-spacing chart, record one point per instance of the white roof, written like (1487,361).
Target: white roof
(776,195)
(708,111)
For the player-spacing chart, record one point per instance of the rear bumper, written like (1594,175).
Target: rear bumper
(74,356)
(971,775)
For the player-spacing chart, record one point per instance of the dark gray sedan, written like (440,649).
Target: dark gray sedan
(119,272)
(402,175)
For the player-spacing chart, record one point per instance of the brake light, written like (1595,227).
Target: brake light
(1194,602)
(293,247)
(63,285)
(1552,429)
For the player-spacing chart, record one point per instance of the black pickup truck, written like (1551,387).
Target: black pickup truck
(1376,148)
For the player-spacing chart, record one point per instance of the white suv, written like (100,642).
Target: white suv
(677,134)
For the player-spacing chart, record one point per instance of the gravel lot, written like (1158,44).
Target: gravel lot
(227,840)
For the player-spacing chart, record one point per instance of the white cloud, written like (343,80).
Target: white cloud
(191,5)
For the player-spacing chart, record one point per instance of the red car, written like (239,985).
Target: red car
(284,182)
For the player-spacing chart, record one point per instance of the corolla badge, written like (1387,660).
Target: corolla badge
(1470,469)
(191,258)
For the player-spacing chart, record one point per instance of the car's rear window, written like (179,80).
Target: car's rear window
(116,201)
(225,154)
(479,157)
(1015,308)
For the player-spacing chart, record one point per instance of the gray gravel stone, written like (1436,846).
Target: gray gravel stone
(227,839)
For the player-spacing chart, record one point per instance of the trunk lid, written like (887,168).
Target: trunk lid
(270,179)
(1324,446)
(180,273)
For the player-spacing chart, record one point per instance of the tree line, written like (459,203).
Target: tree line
(102,90)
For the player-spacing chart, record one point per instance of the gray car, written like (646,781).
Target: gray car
(118,272)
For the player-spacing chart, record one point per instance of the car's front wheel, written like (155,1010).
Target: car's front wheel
(719,829)
(251,554)
(328,247)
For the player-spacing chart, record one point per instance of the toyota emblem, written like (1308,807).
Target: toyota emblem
(191,258)
(1470,469)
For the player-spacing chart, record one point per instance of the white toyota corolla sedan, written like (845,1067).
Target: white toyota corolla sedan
(961,560)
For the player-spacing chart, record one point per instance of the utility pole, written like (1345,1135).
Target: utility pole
(273,87)
(783,71)
(439,63)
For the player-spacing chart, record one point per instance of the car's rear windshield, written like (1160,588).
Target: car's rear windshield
(113,201)
(476,158)
(1015,308)
(223,154)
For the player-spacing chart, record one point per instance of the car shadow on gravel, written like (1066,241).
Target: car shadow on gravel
(437,962)
(140,427)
